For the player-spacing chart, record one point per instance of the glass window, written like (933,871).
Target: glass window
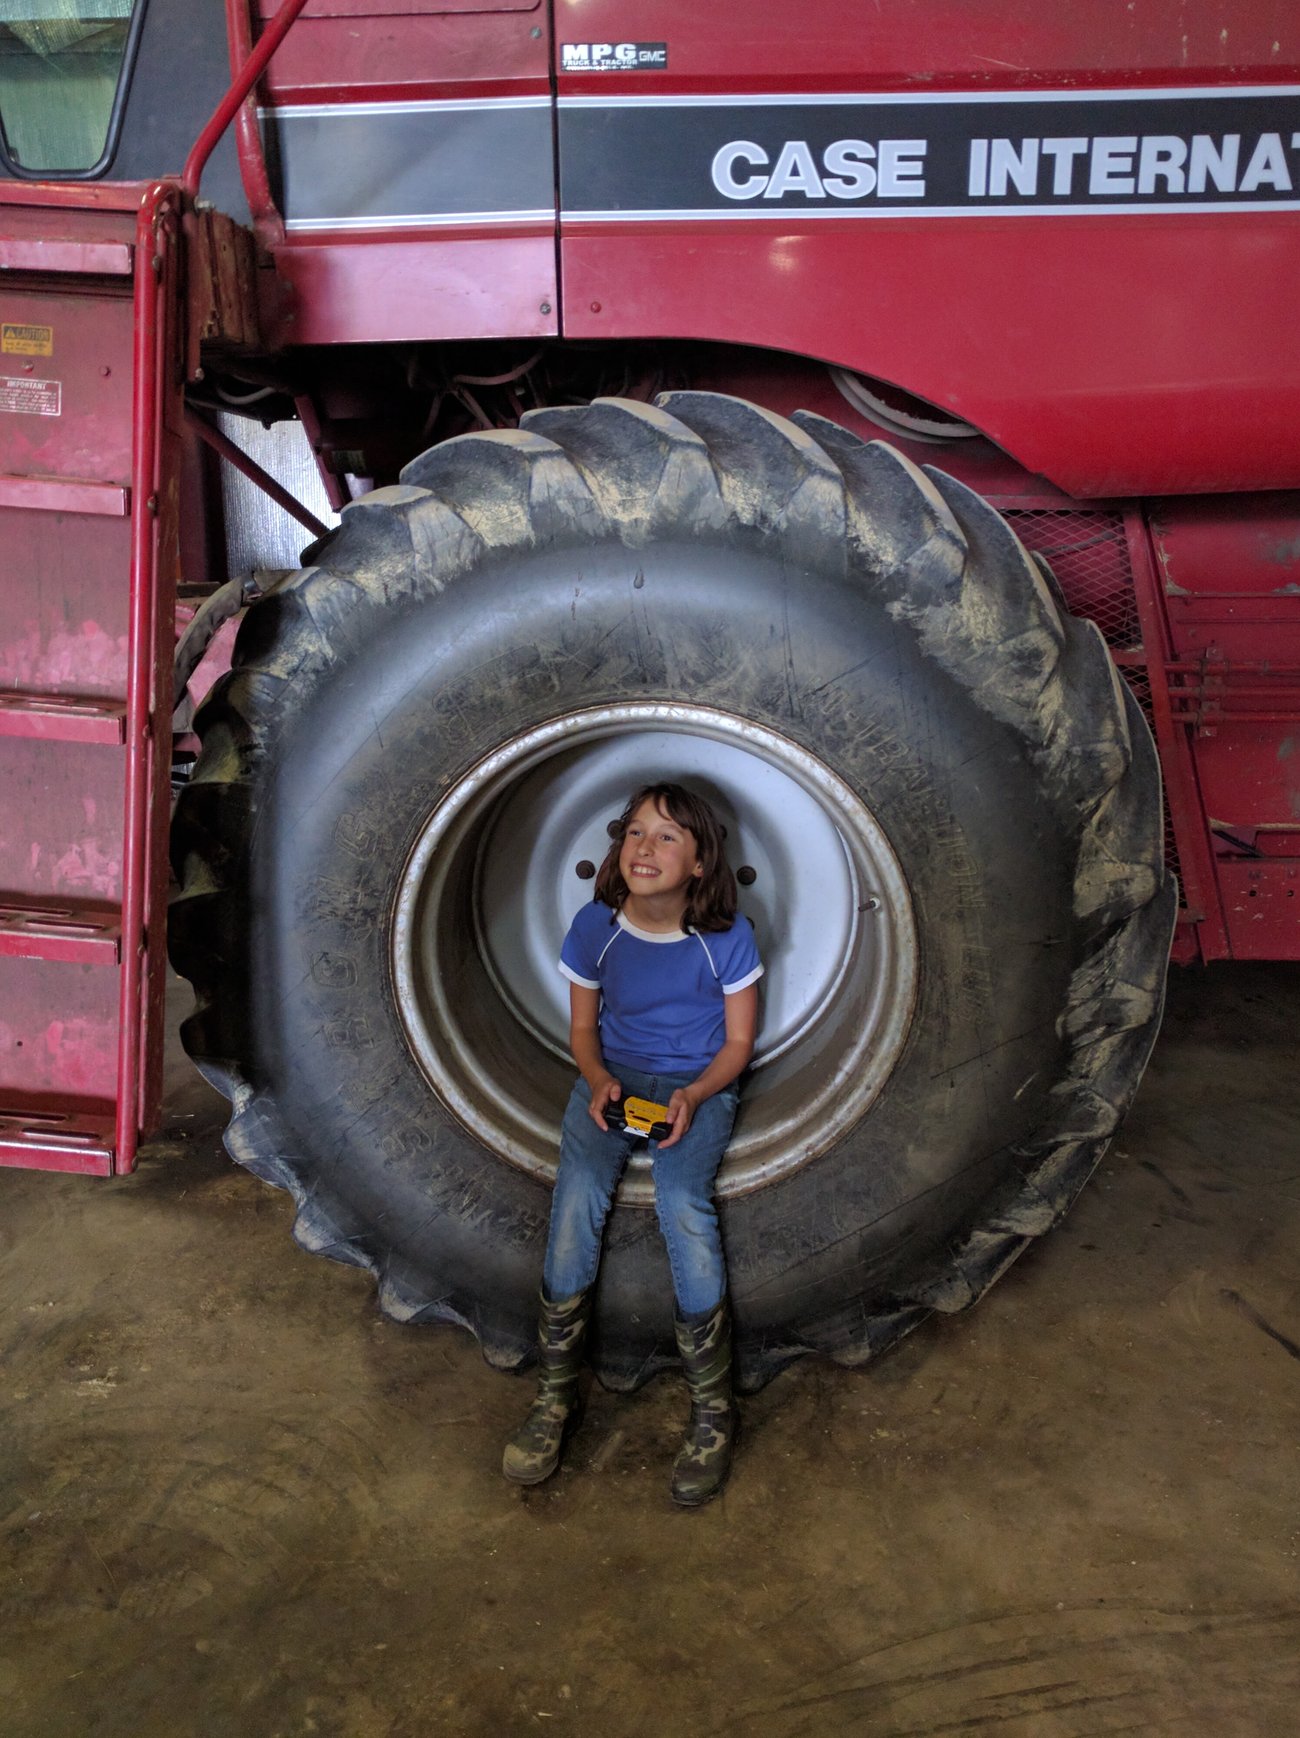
(60,64)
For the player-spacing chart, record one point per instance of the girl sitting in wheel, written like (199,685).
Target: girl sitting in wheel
(663,977)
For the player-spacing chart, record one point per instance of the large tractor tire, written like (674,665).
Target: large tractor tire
(944,805)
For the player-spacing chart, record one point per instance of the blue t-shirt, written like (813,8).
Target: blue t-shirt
(661,996)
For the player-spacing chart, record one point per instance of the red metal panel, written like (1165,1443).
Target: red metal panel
(58,1031)
(1231,579)
(63,626)
(413,55)
(935,44)
(1262,902)
(1230,575)
(487,285)
(83,433)
(63,837)
(1231,571)
(455,281)
(51,199)
(1054,334)
(1046,336)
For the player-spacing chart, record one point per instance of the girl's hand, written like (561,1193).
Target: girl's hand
(681,1110)
(608,1092)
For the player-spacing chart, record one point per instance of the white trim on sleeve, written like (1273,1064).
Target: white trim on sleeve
(586,983)
(708,956)
(743,983)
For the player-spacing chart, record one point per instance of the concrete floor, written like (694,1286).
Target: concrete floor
(236,1503)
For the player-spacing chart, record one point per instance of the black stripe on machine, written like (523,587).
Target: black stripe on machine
(410,164)
(1208,149)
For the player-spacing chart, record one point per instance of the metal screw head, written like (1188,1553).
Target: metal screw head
(545,308)
(746,876)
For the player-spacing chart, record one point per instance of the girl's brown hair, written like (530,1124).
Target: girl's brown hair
(711,899)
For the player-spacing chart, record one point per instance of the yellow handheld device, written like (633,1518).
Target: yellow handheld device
(639,1117)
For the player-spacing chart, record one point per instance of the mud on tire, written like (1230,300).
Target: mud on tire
(703,571)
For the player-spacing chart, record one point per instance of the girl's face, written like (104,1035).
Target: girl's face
(657,856)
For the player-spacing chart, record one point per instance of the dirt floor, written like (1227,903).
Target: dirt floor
(236,1503)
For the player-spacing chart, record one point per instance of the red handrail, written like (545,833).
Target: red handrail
(152,243)
(243,83)
(268,225)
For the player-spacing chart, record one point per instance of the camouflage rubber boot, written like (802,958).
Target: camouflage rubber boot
(533,1453)
(704,1342)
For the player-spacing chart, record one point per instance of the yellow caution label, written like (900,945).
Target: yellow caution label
(18,340)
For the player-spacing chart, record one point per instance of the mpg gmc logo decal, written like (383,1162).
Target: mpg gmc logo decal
(613,56)
(674,157)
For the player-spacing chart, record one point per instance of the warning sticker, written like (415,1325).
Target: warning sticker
(18,340)
(31,397)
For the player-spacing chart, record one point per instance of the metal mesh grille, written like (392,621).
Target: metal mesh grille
(1087,552)
(1140,683)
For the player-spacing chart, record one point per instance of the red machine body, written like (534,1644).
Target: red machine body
(1043,323)
(1075,232)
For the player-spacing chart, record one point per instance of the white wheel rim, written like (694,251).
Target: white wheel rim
(490,887)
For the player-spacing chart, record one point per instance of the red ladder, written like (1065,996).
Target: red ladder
(89,400)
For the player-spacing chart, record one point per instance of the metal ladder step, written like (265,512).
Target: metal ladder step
(65,495)
(67,1139)
(62,718)
(78,932)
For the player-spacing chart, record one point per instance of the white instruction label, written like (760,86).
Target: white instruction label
(22,397)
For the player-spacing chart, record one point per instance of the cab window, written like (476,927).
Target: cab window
(62,63)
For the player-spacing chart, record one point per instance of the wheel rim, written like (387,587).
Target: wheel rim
(492,883)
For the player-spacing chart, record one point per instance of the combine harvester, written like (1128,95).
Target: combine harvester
(883,420)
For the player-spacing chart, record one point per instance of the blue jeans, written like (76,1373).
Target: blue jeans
(591,1163)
